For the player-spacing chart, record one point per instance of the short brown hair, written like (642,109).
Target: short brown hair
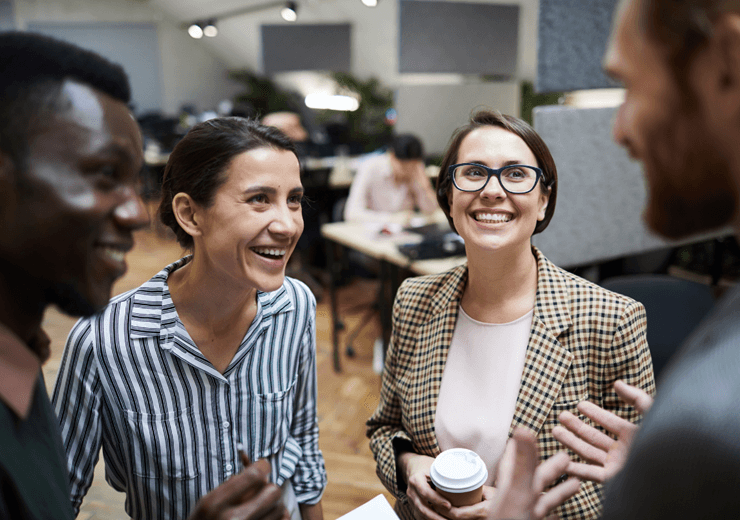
(517,127)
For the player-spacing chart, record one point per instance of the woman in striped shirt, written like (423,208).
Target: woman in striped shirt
(214,353)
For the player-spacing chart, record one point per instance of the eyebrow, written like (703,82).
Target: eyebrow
(506,163)
(270,190)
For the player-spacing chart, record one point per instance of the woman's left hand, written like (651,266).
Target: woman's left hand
(481,510)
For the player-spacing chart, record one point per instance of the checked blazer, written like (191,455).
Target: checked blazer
(583,338)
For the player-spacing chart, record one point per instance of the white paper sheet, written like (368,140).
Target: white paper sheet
(376,509)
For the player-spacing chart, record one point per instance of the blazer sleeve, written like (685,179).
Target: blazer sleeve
(385,427)
(630,361)
(620,354)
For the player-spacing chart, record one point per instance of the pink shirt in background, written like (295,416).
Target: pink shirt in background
(480,385)
(374,195)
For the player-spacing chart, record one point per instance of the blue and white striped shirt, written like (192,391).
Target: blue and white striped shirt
(132,379)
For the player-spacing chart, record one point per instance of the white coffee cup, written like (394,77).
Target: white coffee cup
(458,474)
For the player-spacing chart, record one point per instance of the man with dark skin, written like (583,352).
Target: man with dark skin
(70,157)
(680,65)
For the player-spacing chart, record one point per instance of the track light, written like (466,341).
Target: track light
(195,31)
(200,28)
(289,12)
(210,29)
(370,3)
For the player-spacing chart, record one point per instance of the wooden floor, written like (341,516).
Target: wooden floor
(345,401)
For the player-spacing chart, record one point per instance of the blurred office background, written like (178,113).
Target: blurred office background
(355,71)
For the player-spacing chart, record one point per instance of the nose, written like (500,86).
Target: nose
(287,222)
(131,212)
(493,189)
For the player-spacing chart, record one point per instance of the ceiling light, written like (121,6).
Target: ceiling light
(195,31)
(370,3)
(289,12)
(210,29)
(329,102)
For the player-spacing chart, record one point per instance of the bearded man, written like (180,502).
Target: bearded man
(679,62)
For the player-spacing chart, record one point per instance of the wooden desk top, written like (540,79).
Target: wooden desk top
(366,238)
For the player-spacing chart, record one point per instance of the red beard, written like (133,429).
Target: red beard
(690,184)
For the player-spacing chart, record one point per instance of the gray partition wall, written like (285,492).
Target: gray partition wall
(7,17)
(135,46)
(601,191)
(306,47)
(571,40)
(433,111)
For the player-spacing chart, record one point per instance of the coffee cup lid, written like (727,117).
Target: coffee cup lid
(458,470)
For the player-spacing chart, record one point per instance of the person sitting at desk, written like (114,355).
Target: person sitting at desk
(216,351)
(506,340)
(391,182)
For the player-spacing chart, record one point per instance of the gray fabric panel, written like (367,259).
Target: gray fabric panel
(457,37)
(432,112)
(601,191)
(572,38)
(306,47)
(134,46)
(7,17)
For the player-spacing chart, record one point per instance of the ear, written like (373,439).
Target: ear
(544,201)
(717,69)
(187,213)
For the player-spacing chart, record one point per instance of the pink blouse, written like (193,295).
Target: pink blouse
(480,385)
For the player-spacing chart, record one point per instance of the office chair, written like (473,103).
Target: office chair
(674,308)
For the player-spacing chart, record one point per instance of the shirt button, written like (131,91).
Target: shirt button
(226,424)
(228,467)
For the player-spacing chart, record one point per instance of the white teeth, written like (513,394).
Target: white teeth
(492,217)
(115,254)
(270,252)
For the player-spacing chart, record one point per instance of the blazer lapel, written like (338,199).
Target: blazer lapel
(433,343)
(547,362)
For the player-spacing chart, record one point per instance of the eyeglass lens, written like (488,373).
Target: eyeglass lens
(514,179)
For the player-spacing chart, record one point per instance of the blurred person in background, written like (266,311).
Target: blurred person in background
(391,182)
(507,339)
(287,122)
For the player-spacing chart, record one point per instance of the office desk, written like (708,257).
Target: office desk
(366,239)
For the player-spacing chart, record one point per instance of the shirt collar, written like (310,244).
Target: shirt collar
(153,313)
(19,370)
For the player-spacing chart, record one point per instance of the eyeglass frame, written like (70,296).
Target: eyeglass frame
(497,172)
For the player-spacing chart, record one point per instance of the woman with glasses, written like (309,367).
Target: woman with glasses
(507,339)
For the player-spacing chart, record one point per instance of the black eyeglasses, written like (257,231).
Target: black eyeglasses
(516,178)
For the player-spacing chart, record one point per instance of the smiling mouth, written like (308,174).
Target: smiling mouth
(117,254)
(494,218)
(270,252)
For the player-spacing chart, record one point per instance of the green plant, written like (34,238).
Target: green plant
(531,99)
(263,94)
(368,123)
